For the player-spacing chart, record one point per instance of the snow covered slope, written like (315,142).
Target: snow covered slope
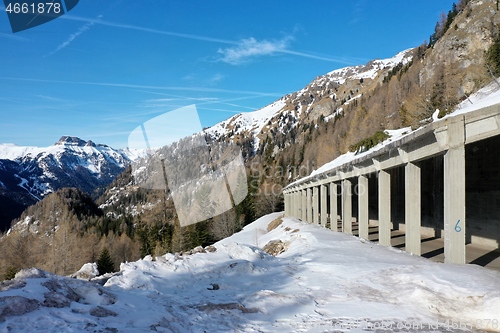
(370,70)
(335,88)
(249,123)
(322,282)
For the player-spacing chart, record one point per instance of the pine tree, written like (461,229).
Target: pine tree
(105,262)
(198,234)
(11,273)
(493,57)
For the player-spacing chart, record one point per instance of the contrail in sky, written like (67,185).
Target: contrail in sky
(203,38)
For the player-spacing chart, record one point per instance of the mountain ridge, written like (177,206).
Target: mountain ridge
(291,106)
(28,174)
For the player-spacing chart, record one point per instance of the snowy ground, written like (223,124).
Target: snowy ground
(323,282)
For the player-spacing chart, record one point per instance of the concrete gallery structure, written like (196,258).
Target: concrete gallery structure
(442,180)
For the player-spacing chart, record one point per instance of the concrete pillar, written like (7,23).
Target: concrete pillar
(298,202)
(384,208)
(412,209)
(333,207)
(315,205)
(324,205)
(454,195)
(291,204)
(287,204)
(347,206)
(309,205)
(303,206)
(363,206)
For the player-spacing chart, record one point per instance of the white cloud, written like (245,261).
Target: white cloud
(216,79)
(250,48)
(49,98)
(211,81)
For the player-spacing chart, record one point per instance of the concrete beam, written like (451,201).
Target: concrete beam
(413,213)
(363,206)
(479,126)
(454,195)
(384,208)
(333,207)
(347,206)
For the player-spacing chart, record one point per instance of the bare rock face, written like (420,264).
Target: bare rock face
(465,42)
(56,300)
(60,293)
(101,312)
(211,249)
(16,306)
(275,247)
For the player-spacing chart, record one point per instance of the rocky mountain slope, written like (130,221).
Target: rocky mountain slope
(341,108)
(28,174)
(326,97)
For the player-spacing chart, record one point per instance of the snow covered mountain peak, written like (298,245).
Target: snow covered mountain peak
(324,96)
(72,141)
(30,173)
(247,122)
(371,69)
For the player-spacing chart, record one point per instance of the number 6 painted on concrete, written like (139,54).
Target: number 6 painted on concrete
(457,227)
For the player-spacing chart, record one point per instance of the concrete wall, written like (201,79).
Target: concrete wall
(432,183)
(483,192)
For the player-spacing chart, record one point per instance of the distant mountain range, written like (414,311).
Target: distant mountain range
(28,174)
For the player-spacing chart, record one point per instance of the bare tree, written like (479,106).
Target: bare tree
(266,203)
(225,225)
(18,250)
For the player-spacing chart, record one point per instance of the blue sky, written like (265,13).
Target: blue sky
(106,67)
